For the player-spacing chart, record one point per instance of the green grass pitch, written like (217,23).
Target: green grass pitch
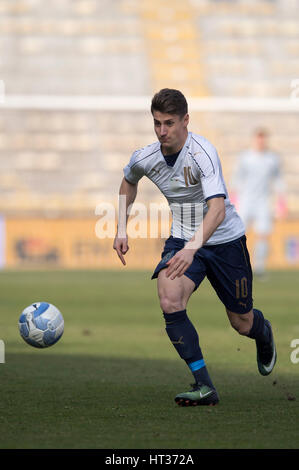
(110,382)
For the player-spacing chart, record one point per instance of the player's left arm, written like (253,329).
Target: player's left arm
(215,215)
(213,218)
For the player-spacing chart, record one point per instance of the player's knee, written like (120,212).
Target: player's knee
(242,326)
(244,330)
(170,303)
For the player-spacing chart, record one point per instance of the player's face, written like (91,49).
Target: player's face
(260,142)
(171,131)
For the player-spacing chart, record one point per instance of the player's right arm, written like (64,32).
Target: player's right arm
(127,195)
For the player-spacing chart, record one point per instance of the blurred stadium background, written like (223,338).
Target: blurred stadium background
(77,77)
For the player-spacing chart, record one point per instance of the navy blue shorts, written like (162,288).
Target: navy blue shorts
(227,267)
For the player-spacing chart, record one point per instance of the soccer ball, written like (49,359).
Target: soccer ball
(41,324)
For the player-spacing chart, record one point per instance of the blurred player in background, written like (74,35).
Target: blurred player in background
(257,190)
(186,168)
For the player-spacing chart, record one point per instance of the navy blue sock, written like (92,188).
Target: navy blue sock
(259,330)
(184,338)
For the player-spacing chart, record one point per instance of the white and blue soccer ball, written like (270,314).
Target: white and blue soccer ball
(41,324)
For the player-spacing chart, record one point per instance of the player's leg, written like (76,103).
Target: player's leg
(229,271)
(255,326)
(260,219)
(242,323)
(174,296)
(262,228)
(261,251)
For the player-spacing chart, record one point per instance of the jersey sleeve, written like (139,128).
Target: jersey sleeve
(209,171)
(133,172)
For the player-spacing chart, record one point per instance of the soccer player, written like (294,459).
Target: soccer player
(257,178)
(187,170)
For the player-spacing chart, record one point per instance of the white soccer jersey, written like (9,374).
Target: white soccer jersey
(257,173)
(195,178)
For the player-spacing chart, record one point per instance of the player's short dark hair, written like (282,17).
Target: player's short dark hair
(260,132)
(169,101)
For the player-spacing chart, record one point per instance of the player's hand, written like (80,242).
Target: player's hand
(281,208)
(121,246)
(179,263)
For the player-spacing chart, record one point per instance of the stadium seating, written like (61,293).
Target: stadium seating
(68,160)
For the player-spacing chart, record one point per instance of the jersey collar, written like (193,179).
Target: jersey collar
(181,155)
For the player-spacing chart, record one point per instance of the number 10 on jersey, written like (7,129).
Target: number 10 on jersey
(241,288)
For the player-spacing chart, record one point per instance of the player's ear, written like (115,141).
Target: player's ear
(186,119)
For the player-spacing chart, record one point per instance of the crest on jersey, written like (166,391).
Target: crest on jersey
(155,171)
